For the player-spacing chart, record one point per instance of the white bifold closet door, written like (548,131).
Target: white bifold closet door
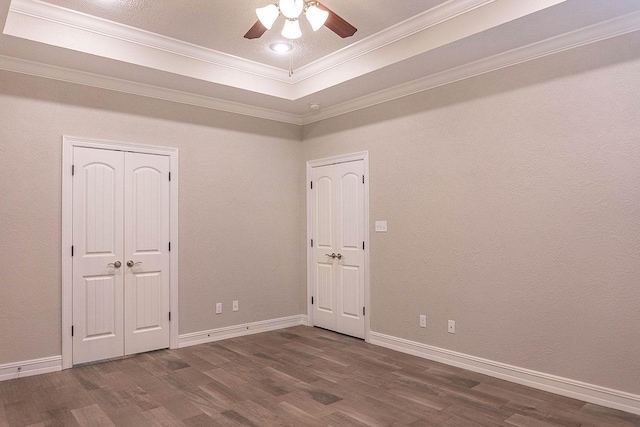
(121,253)
(338,251)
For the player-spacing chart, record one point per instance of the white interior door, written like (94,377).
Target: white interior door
(121,253)
(338,247)
(146,250)
(98,253)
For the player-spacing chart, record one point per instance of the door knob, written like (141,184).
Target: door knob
(333,255)
(339,256)
(130,263)
(116,264)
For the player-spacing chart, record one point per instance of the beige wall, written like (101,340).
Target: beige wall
(239,206)
(513,202)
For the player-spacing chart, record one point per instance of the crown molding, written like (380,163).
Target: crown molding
(46,23)
(72,18)
(574,39)
(110,83)
(594,33)
(51,24)
(415,24)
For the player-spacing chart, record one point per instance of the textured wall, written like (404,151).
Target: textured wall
(239,206)
(513,202)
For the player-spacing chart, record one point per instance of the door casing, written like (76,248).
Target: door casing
(68,144)
(363,155)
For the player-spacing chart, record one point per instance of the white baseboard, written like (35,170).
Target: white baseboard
(203,337)
(28,368)
(563,386)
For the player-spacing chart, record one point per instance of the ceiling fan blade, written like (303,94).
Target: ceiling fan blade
(256,31)
(338,25)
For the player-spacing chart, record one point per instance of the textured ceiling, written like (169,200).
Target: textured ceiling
(60,47)
(221,24)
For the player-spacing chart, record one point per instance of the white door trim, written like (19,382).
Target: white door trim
(363,155)
(68,144)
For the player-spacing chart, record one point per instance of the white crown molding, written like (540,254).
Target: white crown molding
(41,10)
(51,24)
(552,383)
(73,18)
(594,33)
(584,36)
(415,24)
(104,82)
(203,337)
(453,20)
(27,368)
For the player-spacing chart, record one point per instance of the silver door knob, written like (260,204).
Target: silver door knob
(130,263)
(116,264)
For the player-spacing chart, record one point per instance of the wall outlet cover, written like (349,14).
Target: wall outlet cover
(452,327)
(235,306)
(423,321)
(218,308)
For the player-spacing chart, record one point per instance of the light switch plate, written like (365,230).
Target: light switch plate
(218,308)
(423,321)
(381,226)
(235,306)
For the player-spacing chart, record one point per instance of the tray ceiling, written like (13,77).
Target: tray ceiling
(221,24)
(192,51)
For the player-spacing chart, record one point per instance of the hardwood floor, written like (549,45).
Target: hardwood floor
(294,377)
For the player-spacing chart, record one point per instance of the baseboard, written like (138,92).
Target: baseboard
(28,368)
(203,337)
(563,386)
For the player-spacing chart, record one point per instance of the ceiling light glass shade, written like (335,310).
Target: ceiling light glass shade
(291,30)
(291,8)
(268,15)
(317,17)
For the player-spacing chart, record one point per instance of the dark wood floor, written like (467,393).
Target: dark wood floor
(296,377)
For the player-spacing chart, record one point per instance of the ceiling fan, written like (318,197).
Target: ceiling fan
(317,14)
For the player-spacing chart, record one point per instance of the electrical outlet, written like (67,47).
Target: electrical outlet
(218,308)
(452,326)
(235,306)
(381,226)
(423,321)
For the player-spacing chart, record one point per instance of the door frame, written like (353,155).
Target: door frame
(68,144)
(343,158)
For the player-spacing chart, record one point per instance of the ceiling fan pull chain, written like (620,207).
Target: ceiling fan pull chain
(291,60)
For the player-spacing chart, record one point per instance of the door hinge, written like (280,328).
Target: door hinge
(312,185)
(311,242)
(311,300)
(169,176)
(72,331)
(169,316)
(73,170)
(363,311)
(71,250)
(363,179)
(169,246)
(363,246)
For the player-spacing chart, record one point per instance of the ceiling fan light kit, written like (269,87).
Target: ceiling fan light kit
(268,15)
(316,13)
(316,16)
(291,29)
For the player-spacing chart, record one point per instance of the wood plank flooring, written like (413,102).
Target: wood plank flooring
(293,377)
